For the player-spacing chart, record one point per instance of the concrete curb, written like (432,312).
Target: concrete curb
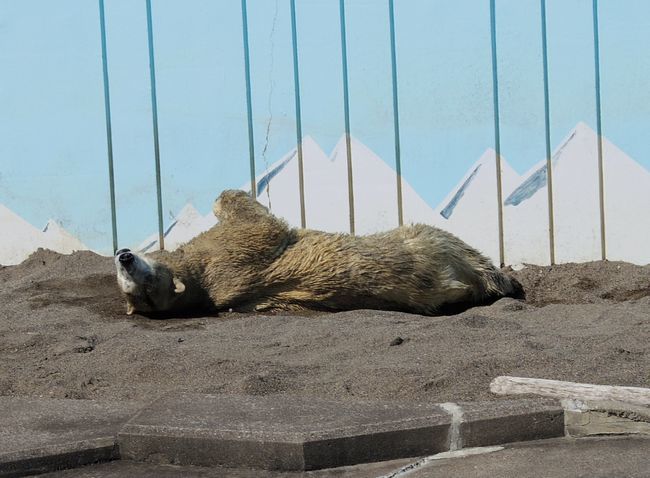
(306,434)
(39,435)
(280,433)
(272,432)
(58,457)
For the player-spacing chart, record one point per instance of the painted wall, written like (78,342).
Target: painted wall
(53,143)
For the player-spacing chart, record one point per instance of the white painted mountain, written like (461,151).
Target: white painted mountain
(576,205)
(525,226)
(326,190)
(627,204)
(19,238)
(60,240)
(375,191)
(470,210)
(326,205)
(187,224)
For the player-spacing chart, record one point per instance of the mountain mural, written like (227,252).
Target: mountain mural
(577,206)
(187,224)
(470,210)
(326,190)
(19,238)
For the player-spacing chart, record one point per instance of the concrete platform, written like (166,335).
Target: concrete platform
(272,432)
(281,433)
(45,434)
(508,421)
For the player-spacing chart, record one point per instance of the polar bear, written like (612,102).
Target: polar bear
(253,261)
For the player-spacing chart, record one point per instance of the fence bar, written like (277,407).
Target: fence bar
(154,116)
(296,87)
(547,125)
(109,129)
(599,131)
(249,101)
(398,162)
(497,133)
(346,107)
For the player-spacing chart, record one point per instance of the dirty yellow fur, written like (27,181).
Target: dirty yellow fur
(253,260)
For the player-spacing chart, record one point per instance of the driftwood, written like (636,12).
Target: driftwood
(582,391)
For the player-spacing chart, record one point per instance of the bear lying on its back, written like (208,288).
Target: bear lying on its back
(253,261)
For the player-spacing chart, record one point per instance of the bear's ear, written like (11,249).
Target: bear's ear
(129,308)
(179,287)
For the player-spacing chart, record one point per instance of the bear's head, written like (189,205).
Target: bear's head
(149,286)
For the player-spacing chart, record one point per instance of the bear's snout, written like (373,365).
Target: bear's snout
(125,258)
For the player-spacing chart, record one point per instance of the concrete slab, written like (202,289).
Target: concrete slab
(507,421)
(38,435)
(588,418)
(557,458)
(126,468)
(280,433)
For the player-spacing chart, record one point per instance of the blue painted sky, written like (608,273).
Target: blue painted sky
(52,131)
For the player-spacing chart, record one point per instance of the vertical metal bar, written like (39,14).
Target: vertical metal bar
(599,131)
(109,132)
(398,162)
(497,134)
(296,86)
(547,125)
(346,110)
(249,102)
(154,117)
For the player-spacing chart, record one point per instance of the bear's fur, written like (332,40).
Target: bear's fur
(253,261)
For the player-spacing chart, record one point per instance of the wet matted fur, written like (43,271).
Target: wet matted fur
(253,261)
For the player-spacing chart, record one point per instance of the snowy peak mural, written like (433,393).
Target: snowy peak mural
(187,224)
(326,190)
(19,238)
(577,205)
(470,209)
(478,188)
(60,240)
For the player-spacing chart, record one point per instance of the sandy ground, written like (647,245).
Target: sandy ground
(64,333)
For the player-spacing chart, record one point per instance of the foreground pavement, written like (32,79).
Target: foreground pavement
(601,457)
(235,436)
(622,457)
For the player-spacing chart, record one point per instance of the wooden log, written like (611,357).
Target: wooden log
(505,385)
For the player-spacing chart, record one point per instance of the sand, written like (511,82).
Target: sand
(64,334)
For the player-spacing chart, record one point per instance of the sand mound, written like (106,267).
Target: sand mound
(65,334)
(586,283)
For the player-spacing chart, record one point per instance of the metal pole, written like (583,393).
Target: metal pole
(547,124)
(249,102)
(346,108)
(398,163)
(109,133)
(296,84)
(497,134)
(154,114)
(599,131)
